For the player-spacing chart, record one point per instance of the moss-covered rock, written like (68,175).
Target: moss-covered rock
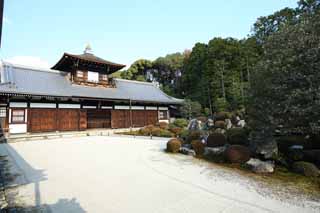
(173,145)
(216,140)
(237,154)
(306,169)
(237,136)
(198,147)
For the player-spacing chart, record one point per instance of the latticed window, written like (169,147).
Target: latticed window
(104,77)
(163,115)
(17,115)
(80,74)
(3,112)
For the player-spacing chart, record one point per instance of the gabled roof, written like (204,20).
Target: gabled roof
(68,60)
(17,79)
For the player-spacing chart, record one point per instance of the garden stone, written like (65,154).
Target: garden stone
(187,151)
(194,125)
(259,166)
(215,154)
(228,124)
(306,169)
(241,123)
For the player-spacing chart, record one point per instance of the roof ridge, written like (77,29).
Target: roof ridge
(38,69)
(136,82)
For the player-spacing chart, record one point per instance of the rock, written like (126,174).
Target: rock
(173,145)
(241,123)
(198,147)
(237,154)
(220,124)
(216,140)
(215,154)
(194,125)
(187,151)
(263,145)
(259,166)
(306,169)
(186,145)
(237,136)
(313,156)
(228,124)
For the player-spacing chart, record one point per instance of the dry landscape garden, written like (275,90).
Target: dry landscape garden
(243,133)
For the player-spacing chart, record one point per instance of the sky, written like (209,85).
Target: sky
(38,32)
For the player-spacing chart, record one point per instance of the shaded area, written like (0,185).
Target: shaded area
(12,176)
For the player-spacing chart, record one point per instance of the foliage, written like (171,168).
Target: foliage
(173,145)
(216,140)
(180,122)
(237,136)
(190,109)
(198,147)
(285,86)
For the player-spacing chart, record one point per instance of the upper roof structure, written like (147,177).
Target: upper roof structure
(86,61)
(22,80)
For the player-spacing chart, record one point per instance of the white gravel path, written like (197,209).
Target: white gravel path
(122,174)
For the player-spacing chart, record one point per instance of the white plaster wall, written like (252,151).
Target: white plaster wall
(17,128)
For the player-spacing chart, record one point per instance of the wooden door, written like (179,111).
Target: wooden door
(138,118)
(151,117)
(120,119)
(42,120)
(68,119)
(83,119)
(99,118)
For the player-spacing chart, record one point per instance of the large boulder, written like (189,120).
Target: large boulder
(215,154)
(198,147)
(306,169)
(194,125)
(216,140)
(313,156)
(237,136)
(237,154)
(259,166)
(173,145)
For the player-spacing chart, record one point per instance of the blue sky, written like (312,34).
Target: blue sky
(123,31)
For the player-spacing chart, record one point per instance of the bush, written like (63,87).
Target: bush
(164,133)
(202,119)
(163,125)
(306,169)
(198,147)
(237,154)
(180,122)
(176,131)
(155,131)
(193,135)
(221,116)
(216,140)
(173,145)
(220,124)
(237,136)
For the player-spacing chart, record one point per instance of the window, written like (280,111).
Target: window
(17,115)
(163,115)
(79,74)
(3,112)
(93,76)
(104,77)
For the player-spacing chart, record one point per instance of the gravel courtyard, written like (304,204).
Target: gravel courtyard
(122,174)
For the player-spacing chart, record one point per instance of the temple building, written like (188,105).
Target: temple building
(77,93)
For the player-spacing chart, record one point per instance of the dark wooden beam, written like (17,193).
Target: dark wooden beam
(1,18)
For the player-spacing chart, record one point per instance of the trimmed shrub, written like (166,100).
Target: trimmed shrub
(306,169)
(176,131)
(220,124)
(202,119)
(163,125)
(237,136)
(164,133)
(193,135)
(312,156)
(237,154)
(216,140)
(180,122)
(221,116)
(198,147)
(173,145)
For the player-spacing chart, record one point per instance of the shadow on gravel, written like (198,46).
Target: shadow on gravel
(22,174)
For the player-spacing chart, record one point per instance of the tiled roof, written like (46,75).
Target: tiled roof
(33,81)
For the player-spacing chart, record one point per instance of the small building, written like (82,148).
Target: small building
(77,93)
